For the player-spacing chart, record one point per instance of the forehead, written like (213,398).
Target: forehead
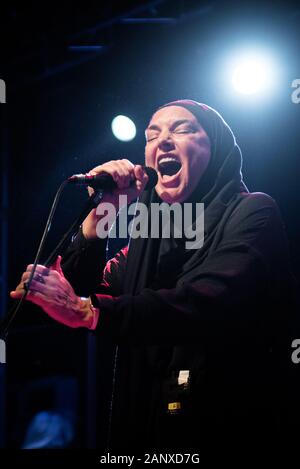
(170,114)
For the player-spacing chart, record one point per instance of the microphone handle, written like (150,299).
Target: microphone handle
(105,181)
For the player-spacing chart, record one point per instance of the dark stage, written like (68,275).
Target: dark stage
(66,71)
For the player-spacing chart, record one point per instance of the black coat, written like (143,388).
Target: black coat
(226,325)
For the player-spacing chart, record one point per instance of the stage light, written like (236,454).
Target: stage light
(123,128)
(252,73)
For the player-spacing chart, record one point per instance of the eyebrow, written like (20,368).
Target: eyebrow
(175,124)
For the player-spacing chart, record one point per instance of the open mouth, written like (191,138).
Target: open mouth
(168,166)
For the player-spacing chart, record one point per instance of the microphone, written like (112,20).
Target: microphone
(105,181)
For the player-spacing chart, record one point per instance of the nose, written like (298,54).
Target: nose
(165,141)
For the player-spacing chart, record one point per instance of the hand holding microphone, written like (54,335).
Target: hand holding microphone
(48,286)
(105,181)
(121,177)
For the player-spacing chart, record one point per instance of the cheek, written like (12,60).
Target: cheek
(149,157)
(198,159)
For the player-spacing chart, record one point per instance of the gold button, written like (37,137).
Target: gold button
(174,406)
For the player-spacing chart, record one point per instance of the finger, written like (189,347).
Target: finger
(16,294)
(120,170)
(37,286)
(39,278)
(90,190)
(124,173)
(141,177)
(140,173)
(103,168)
(25,276)
(57,265)
(95,171)
(21,285)
(41,269)
(109,166)
(51,284)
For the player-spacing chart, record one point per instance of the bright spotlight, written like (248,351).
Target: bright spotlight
(252,73)
(123,128)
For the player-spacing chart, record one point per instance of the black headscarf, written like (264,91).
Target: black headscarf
(162,263)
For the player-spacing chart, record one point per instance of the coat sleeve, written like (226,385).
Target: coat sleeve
(85,267)
(230,293)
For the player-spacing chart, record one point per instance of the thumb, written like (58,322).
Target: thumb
(141,177)
(57,265)
(138,172)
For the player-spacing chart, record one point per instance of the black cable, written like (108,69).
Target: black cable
(14,310)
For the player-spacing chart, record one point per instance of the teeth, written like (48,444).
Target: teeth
(168,159)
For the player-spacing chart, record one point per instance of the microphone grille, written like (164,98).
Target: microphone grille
(153,178)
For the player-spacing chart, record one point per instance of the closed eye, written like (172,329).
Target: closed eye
(184,130)
(149,139)
(176,128)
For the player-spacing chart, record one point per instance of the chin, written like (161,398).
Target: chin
(171,197)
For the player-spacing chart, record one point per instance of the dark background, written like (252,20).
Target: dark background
(62,94)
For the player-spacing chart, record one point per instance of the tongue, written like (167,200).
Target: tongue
(169,168)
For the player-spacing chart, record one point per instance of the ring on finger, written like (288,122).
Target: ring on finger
(39,278)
